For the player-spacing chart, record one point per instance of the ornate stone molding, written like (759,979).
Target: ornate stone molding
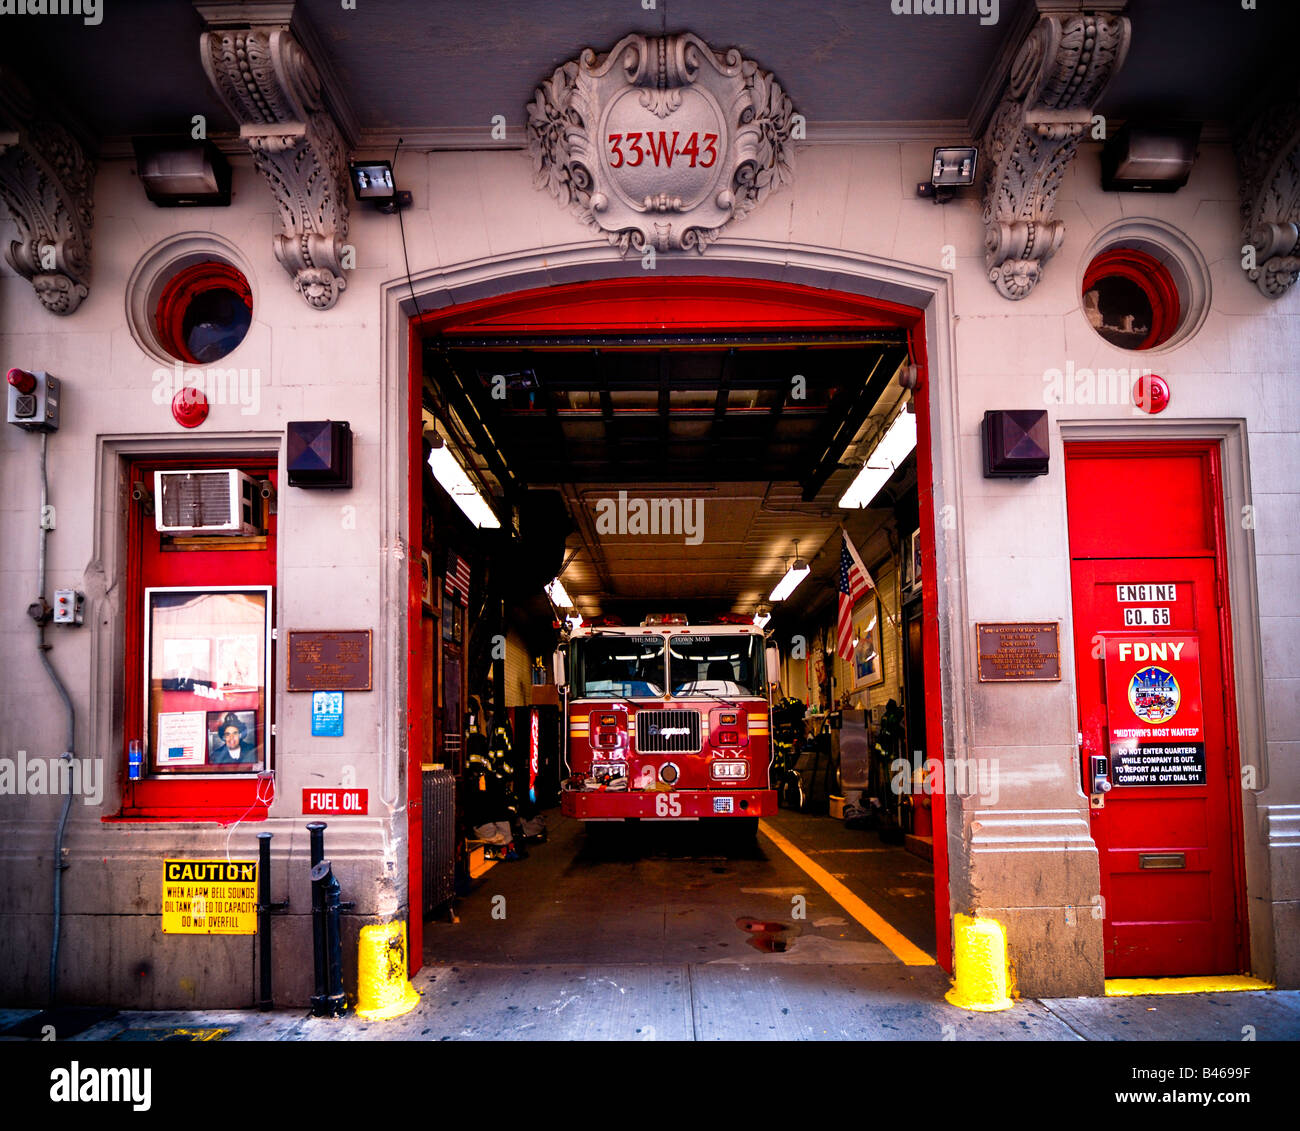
(271,86)
(1057,77)
(662,141)
(48,183)
(1268,156)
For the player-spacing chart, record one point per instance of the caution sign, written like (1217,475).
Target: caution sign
(209,897)
(1153,704)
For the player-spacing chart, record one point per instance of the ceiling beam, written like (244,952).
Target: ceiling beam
(846,417)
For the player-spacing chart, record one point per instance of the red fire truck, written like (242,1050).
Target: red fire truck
(668,721)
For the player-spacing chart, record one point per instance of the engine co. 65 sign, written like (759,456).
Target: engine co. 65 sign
(661,142)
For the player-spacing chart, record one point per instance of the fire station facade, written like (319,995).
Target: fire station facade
(1107,455)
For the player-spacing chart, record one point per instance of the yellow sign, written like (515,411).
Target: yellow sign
(209,897)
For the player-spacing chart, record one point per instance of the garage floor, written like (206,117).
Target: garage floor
(684,893)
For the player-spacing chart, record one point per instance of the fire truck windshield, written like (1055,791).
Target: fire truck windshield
(722,665)
(618,667)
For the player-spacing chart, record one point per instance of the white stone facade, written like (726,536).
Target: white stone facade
(850,221)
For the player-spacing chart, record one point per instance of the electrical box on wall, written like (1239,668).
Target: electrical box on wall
(33,400)
(222,501)
(319,453)
(69,606)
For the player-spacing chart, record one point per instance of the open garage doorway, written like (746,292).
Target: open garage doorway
(673,447)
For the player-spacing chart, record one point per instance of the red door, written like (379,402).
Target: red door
(1155,700)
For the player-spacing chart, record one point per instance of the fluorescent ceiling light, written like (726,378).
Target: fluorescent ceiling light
(885,458)
(795,574)
(453,479)
(559,597)
(761,619)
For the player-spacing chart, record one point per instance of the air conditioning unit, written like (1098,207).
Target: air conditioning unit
(207,502)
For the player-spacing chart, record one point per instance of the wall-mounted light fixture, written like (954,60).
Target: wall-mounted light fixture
(953,168)
(373,181)
(178,172)
(885,458)
(1149,157)
(795,574)
(454,480)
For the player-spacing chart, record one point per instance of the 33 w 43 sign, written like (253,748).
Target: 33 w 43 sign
(661,142)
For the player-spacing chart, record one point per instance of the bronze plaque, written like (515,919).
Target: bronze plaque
(1013,652)
(329,661)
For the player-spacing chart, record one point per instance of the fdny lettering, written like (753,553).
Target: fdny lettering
(1152,592)
(1144,652)
(661,150)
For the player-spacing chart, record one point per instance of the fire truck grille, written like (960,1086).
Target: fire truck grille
(667,732)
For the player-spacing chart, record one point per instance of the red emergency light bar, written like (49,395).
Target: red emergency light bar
(655,619)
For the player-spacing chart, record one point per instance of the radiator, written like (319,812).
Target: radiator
(439,838)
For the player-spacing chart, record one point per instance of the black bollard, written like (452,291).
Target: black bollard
(265,908)
(319,998)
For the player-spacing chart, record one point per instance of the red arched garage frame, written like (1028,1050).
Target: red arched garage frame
(680,305)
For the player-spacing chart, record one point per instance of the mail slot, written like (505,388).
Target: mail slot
(1162,860)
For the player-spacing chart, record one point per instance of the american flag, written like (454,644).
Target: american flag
(855,582)
(457,576)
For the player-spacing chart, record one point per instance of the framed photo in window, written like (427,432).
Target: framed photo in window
(207,670)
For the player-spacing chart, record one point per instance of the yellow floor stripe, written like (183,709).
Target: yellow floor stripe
(1214,984)
(906,951)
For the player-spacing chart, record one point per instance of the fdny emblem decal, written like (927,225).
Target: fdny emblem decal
(1154,695)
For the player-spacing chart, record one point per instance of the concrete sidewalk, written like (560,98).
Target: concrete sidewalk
(715,1001)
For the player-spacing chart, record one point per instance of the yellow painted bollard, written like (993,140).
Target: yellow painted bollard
(383,991)
(979,965)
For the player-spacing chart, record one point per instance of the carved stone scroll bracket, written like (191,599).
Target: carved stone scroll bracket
(1056,79)
(270,84)
(48,183)
(1268,156)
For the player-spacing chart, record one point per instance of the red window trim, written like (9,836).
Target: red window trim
(182,289)
(223,800)
(1152,276)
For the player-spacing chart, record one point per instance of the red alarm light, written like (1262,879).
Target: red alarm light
(23,381)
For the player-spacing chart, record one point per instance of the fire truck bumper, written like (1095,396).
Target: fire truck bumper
(685,804)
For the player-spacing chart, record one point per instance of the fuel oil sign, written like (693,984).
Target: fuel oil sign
(1153,705)
(209,897)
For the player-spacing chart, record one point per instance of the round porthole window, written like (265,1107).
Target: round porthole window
(189,300)
(204,312)
(1144,285)
(1130,299)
